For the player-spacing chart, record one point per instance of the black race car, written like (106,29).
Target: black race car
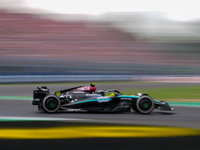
(85,98)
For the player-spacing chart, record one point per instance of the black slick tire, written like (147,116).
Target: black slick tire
(145,104)
(51,103)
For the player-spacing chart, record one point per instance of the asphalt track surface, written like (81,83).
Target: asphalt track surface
(182,116)
(188,117)
(180,143)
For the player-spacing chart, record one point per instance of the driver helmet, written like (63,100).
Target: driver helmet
(112,94)
(92,84)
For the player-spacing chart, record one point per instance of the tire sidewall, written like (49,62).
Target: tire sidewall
(44,103)
(145,111)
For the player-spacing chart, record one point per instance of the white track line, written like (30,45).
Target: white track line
(12,118)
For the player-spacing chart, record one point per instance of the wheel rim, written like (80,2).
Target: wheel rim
(51,104)
(145,104)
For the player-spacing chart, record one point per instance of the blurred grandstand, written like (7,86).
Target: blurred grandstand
(32,44)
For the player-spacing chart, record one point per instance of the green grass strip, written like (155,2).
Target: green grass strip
(16,97)
(190,104)
(180,92)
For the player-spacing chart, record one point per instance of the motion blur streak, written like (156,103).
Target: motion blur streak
(141,42)
(96,132)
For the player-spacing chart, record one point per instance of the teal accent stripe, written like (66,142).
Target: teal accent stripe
(156,101)
(127,96)
(92,100)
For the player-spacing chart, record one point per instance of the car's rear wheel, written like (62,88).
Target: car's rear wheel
(51,103)
(145,104)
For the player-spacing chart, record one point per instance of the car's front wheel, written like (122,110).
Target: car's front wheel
(51,103)
(145,104)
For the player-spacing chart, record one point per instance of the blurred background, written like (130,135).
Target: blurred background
(114,43)
(129,37)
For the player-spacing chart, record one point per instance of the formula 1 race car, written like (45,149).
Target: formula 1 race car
(85,98)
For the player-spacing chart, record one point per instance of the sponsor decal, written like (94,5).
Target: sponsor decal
(36,99)
(124,106)
(103,99)
(163,103)
(92,94)
(126,98)
(78,92)
(85,88)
